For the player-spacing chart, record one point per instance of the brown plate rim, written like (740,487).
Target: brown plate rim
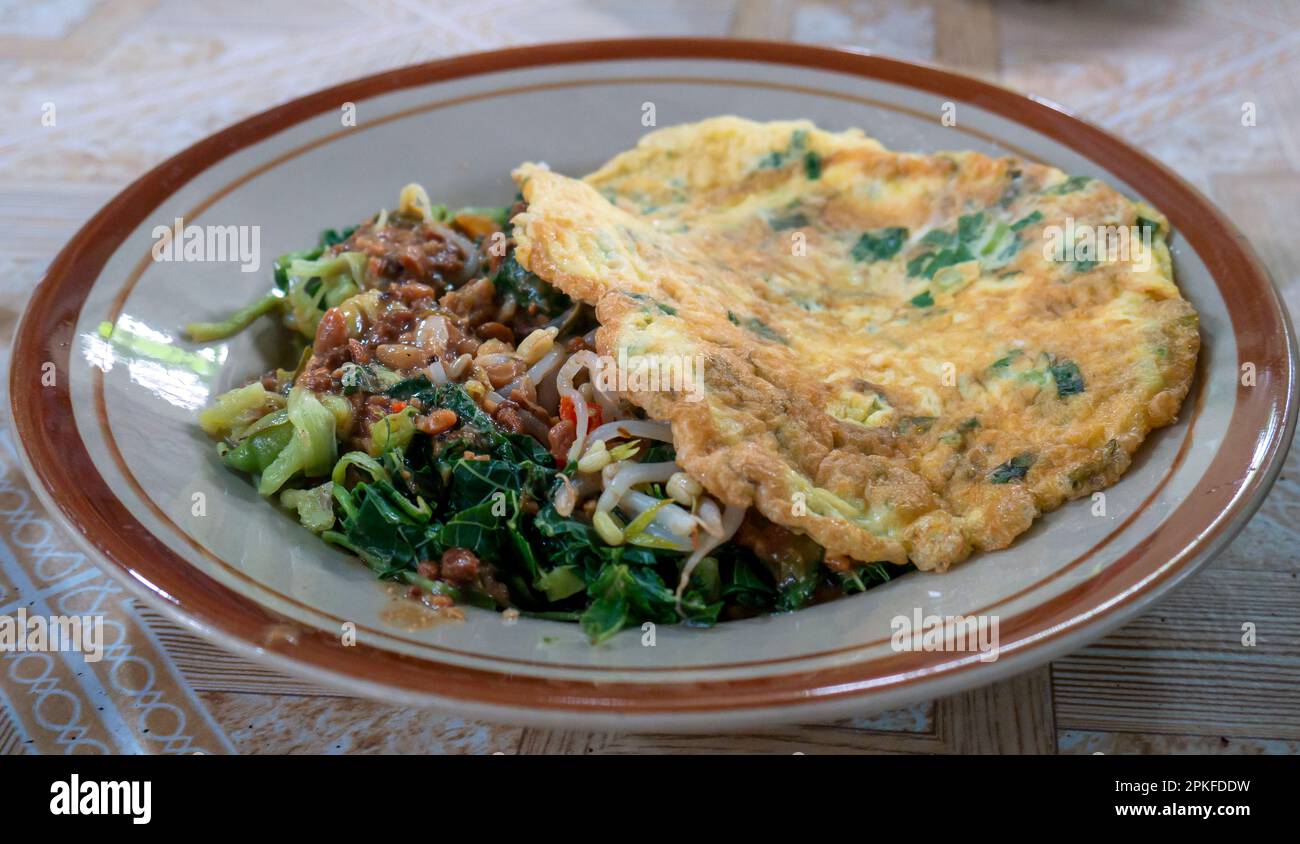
(1246,463)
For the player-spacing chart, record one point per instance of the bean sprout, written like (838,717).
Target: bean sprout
(628,476)
(563,319)
(671,517)
(628,428)
(546,365)
(683,489)
(564,381)
(592,363)
(709,516)
(731,519)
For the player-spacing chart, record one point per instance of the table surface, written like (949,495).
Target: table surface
(135,81)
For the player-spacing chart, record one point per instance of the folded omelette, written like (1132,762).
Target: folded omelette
(894,364)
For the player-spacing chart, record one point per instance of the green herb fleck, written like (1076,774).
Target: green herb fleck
(929,263)
(915,424)
(1146,226)
(1014,469)
(1027,220)
(764,330)
(779,158)
(879,245)
(1068,378)
(797,220)
(812,165)
(1005,361)
(1070,185)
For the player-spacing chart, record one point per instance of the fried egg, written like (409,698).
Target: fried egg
(905,356)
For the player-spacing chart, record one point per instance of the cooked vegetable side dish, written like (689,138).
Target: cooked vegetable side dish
(893,375)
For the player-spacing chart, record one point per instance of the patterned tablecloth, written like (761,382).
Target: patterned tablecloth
(134,81)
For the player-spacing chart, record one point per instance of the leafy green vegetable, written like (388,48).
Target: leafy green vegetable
(860,578)
(236,410)
(362,461)
(624,594)
(795,572)
(393,431)
(499,214)
(367,378)
(561,582)
(328,238)
(312,449)
(206,332)
(389,536)
(923,300)
(258,451)
(749,585)
(531,292)
(477,430)
(660,452)
(315,506)
(315,285)
(796,592)
(476,528)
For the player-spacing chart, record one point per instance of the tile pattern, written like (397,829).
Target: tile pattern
(129,82)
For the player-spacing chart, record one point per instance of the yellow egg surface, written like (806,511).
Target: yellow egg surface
(905,356)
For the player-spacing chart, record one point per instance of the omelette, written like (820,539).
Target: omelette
(905,358)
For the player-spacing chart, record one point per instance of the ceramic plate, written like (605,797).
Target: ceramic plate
(113,448)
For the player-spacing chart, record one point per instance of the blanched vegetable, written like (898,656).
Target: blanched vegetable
(466,505)
(206,332)
(323,283)
(315,506)
(258,451)
(393,431)
(312,449)
(236,410)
